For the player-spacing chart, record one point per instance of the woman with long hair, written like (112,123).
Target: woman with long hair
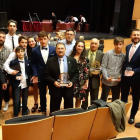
(80,87)
(32,44)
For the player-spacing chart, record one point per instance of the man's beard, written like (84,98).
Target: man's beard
(135,42)
(1,43)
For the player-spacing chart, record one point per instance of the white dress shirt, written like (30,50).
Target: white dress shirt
(8,41)
(83,19)
(11,57)
(45,53)
(23,82)
(135,48)
(75,18)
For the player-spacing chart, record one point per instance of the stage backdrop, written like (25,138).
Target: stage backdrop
(99,13)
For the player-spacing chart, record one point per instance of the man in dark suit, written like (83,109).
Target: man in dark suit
(3,86)
(40,56)
(93,54)
(131,73)
(56,66)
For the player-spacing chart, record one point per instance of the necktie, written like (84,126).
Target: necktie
(91,58)
(20,61)
(13,42)
(44,48)
(61,65)
(132,52)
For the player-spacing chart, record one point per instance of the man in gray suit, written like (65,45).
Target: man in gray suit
(93,54)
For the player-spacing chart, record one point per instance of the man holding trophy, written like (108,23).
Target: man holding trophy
(95,59)
(111,69)
(61,73)
(131,74)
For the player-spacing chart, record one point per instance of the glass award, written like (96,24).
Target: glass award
(128,69)
(63,79)
(95,68)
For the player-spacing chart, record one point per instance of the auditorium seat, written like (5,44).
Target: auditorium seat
(103,127)
(73,125)
(36,129)
(24,119)
(68,111)
(127,138)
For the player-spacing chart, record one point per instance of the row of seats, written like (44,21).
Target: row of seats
(70,124)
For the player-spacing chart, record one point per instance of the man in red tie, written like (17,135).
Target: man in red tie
(131,73)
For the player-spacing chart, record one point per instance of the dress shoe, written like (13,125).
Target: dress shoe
(26,113)
(131,120)
(137,125)
(5,108)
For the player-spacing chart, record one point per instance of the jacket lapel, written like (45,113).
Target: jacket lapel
(40,54)
(56,64)
(135,54)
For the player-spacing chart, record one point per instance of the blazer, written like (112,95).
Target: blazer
(96,78)
(14,64)
(52,73)
(2,79)
(134,64)
(38,64)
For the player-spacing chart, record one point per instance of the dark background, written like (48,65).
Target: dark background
(100,14)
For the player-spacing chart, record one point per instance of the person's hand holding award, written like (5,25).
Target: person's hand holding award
(128,72)
(63,80)
(95,68)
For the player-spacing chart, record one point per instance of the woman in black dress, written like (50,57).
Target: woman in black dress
(54,22)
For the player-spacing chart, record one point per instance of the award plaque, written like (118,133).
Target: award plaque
(64,79)
(95,67)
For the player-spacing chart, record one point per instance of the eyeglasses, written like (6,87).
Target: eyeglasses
(70,34)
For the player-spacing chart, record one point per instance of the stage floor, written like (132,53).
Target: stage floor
(87,35)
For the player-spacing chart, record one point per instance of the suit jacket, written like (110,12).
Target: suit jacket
(52,73)
(14,64)
(38,64)
(96,79)
(134,64)
(2,79)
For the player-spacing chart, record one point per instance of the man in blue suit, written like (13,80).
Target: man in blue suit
(131,73)
(40,56)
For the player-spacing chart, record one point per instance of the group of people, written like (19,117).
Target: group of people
(24,64)
(81,21)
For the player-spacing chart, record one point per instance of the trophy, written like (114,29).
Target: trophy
(95,67)
(128,69)
(63,79)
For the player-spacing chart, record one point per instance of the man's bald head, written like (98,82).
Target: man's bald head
(94,44)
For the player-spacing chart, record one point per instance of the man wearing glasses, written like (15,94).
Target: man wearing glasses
(69,41)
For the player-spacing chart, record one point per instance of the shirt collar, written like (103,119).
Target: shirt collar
(11,36)
(62,57)
(137,45)
(120,55)
(44,47)
(20,60)
(92,52)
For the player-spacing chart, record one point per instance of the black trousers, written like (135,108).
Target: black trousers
(83,26)
(56,101)
(125,88)
(114,89)
(54,25)
(6,94)
(42,92)
(93,94)
(75,25)
(16,94)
